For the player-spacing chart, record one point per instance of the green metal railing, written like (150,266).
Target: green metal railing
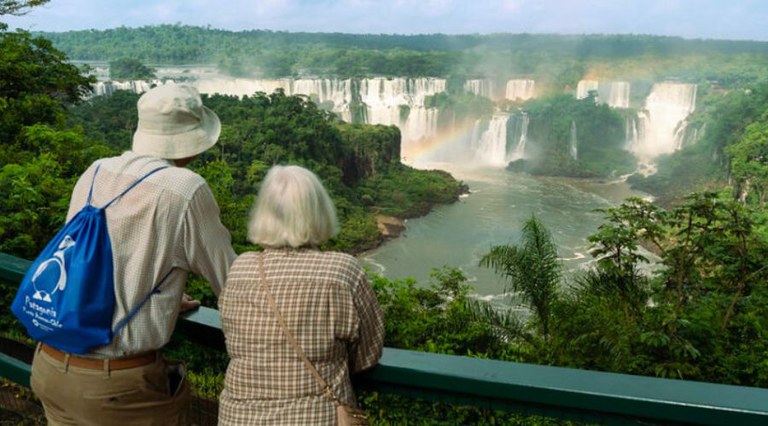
(599,397)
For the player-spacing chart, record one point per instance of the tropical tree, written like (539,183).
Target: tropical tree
(532,269)
(749,162)
(130,69)
(18,7)
(617,246)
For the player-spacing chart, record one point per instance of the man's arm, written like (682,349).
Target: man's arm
(208,245)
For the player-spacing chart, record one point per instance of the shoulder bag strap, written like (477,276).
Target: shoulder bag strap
(289,335)
(135,310)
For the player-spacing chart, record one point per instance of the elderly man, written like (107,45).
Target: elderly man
(162,229)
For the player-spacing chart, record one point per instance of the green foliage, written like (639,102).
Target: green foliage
(531,269)
(749,162)
(19,7)
(436,319)
(689,319)
(459,108)
(35,82)
(39,158)
(720,122)
(233,210)
(388,409)
(111,120)
(557,61)
(599,134)
(406,192)
(130,69)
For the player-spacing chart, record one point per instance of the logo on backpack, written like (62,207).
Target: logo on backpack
(61,265)
(67,297)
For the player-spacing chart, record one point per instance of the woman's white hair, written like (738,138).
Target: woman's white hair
(293,209)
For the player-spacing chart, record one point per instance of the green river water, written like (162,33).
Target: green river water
(493,213)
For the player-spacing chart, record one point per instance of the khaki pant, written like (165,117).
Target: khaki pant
(135,396)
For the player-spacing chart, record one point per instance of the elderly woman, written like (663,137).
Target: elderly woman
(321,299)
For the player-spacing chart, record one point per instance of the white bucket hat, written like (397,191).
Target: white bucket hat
(174,123)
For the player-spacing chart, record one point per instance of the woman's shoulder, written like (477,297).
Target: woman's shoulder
(245,259)
(339,258)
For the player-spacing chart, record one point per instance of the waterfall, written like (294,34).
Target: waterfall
(241,86)
(631,134)
(479,87)
(618,95)
(420,125)
(584,87)
(520,89)
(657,129)
(519,134)
(107,88)
(573,148)
(339,94)
(389,101)
(662,123)
(615,94)
(384,99)
(492,146)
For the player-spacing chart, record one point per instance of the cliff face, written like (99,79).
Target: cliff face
(370,150)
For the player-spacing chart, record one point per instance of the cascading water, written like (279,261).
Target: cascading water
(338,93)
(518,128)
(618,95)
(520,89)
(662,122)
(107,88)
(479,87)
(492,147)
(385,99)
(573,143)
(584,87)
(241,86)
(657,129)
(631,134)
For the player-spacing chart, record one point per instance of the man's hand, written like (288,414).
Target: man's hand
(188,303)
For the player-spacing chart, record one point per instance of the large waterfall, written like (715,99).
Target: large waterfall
(656,129)
(662,122)
(491,149)
(614,93)
(584,87)
(618,95)
(502,141)
(480,88)
(388,101)
(520,89)
(400,102)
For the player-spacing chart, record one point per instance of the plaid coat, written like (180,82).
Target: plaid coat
(331,310)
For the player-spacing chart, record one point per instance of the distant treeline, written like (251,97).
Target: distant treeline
(271,53)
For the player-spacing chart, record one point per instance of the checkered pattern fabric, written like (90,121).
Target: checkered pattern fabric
(331,309)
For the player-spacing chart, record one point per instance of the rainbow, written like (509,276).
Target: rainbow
(424,149)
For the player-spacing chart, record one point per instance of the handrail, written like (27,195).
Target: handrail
(607,398)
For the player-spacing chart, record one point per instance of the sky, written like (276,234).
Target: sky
(711,19)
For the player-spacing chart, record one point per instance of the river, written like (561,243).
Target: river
(493,213)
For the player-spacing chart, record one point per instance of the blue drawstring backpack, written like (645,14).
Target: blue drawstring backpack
(67,297)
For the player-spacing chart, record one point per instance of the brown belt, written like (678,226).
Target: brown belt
(101,364)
